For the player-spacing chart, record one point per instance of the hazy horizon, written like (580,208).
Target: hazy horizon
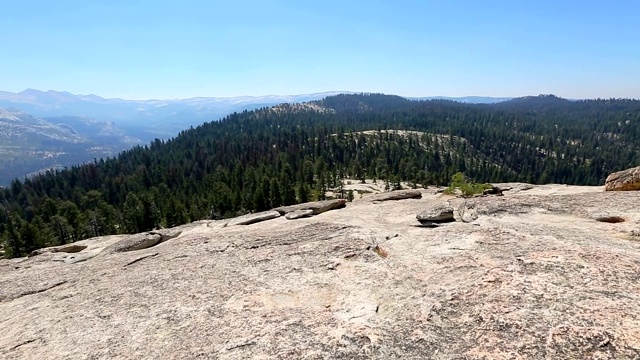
(321,92)
(262,95)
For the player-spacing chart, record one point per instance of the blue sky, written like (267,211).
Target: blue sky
(176,49)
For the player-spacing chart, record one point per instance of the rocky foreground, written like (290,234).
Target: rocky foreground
(543,272)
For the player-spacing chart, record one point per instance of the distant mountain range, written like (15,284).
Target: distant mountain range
(148,119)
(29,144)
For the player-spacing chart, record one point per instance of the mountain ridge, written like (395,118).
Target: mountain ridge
(36,92)
(163,118)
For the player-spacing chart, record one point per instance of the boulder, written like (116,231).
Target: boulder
(70,248)
(466,212)
(135,242)
(317,207)
(396,195)
(440,213)
(166,234)
(298,214)
(254,218)
(624,180)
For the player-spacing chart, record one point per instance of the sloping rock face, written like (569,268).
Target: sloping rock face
(533,277)
(624,180)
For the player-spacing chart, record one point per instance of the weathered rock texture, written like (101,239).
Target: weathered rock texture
(298,214)
(317,207)
(624,180)
(438,213)
(535,276)
(396,195)
(254,218)
(135,242)
(68,248)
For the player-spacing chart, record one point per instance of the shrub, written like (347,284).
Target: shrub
(458,180)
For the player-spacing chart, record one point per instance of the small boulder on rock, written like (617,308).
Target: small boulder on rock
(298,214)
(166,234)
(625,180)
(466,212)
(69,248)
(134,242)
(440,213)
(396,195)
(254,218)
(317,207)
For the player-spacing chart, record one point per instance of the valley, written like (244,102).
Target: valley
(31,145)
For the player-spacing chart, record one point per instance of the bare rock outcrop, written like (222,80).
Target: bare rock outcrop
(167,234)
(317,207)
(533,276)
(439,213)
(143,240)
(253,218)
(135,242)
(396,195)
(298,214)
(624,180)
(68,248)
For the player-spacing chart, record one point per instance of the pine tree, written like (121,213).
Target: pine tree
(14,244)
(349,195)
(275,196)
(303,193)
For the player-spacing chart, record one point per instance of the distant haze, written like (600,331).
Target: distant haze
(159,118)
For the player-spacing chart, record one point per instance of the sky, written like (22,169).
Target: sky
(178,49)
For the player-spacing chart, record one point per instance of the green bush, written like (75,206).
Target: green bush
(458,180)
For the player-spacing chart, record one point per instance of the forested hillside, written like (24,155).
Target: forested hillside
(29,144)
(256,160)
